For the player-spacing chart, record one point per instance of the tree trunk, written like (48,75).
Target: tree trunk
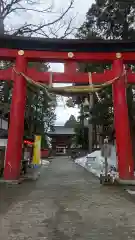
(1,21)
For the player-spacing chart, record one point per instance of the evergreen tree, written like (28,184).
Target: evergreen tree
(71,122)
(108,19)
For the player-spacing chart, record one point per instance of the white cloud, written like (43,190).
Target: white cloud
(63,114)
(56,67)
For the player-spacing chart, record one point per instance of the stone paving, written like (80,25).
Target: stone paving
(66,203)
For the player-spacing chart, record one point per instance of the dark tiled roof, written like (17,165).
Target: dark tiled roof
(61,130)
(67,45)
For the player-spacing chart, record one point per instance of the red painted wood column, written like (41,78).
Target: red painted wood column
(121,120)
(16,127)
(70,67)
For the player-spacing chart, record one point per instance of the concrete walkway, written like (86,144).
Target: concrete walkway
(66,203)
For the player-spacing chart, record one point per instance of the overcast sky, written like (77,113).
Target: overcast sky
(79,10)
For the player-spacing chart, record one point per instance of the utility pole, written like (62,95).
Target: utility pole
(88,104)
(82,124)
(90,126)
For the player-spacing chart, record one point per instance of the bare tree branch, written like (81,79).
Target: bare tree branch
(69,28)
(35,28)
(9,9)
(45,28)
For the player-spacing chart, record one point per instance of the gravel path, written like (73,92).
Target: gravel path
(66,203)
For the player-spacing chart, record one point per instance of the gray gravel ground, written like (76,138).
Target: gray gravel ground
(66,203)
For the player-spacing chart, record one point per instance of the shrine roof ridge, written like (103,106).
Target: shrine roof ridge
(61,130)
(65,45)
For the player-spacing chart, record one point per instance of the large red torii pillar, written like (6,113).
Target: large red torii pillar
(121,122)
(16,126)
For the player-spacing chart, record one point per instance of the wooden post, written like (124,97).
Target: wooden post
(16,127)
(123,139)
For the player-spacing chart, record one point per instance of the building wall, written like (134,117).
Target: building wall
(3,142)
(60,141)
(3,124)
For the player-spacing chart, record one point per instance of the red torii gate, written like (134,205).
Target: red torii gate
(64,54)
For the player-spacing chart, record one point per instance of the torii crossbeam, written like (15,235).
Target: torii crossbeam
(21,50)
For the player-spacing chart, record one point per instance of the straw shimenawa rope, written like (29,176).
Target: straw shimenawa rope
(32,82)
(84,89)
(68,89)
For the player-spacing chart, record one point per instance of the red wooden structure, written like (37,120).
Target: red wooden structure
(61,139)
(22,50)
(44,153)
